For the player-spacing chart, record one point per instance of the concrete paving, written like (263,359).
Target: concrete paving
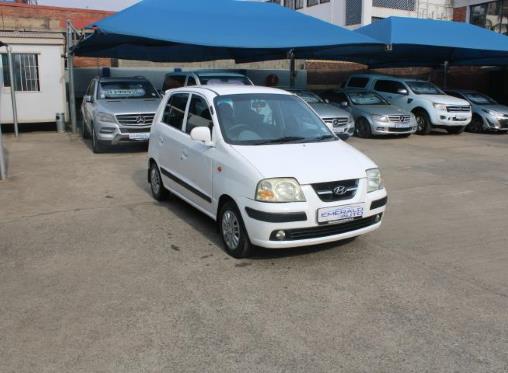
(95,276)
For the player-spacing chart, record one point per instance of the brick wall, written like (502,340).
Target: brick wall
(24,17)
(460,14)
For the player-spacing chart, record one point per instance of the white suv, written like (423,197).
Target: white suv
(431,106)
(262,164)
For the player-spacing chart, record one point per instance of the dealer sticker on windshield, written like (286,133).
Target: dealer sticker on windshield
(339,213)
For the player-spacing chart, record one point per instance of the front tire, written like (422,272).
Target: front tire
(97,146)
(476,125)
(232,231)
(158,191)
(423,123)
(363,129)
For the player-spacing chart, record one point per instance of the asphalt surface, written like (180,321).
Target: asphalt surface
(95,276)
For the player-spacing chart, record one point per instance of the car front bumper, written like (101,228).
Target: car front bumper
(299,220)
(115,133)
(345,131)
(450,119)
(494,123)
(384,128)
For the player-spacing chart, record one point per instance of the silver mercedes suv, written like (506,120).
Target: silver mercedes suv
(118,110)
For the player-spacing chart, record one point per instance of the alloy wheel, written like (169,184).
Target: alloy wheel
(155,180)
(231,229)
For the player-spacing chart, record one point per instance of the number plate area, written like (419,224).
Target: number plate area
(339,214)
(139,136)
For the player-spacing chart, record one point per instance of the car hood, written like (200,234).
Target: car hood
(381,109)
(497,108)
(308,163)
(444,99)
(130,106)
(325,110)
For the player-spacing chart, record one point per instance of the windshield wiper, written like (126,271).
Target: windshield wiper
(281,140)
(321,138)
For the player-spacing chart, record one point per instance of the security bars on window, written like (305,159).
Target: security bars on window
(26,72)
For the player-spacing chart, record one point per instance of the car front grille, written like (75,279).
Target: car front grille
(327,230)
(458,109)
(135,119)
(135,130)
(399,118)
(336,190)
(336,122)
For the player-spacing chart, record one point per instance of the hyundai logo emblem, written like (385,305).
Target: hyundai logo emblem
(340,190)
(140,120)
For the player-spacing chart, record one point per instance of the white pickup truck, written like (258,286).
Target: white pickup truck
(431,106)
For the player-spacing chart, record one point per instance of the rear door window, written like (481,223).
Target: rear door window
(358,82)
(173,81)
(174,112)
(388,86)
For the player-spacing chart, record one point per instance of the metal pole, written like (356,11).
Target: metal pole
(3,171)
(445,75)
(292,69)
(13,92)
(70,67)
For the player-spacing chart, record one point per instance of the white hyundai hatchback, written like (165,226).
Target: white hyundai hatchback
(261,163)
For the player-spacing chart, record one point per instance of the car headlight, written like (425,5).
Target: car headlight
(439,106)
(492,112)
(380,118)
(105,117)
(279,190)
(350,119)
(374,180)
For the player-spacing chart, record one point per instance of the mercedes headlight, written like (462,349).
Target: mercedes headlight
(105,118)
(374,180)
(279,190)
(438,106)
(380,118)
(492,112)
(350,119)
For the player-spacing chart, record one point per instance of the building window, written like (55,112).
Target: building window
(353,12)
(324,1)
(312,2)
(274,1)
(26,71)
(492,15)
(299,4)
(289,4)
(395,4)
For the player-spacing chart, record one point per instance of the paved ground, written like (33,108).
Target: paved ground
(97,277)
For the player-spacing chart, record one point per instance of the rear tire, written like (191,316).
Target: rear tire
(363,129)
(232,230)
(455,130)
(158,191)
(423,122)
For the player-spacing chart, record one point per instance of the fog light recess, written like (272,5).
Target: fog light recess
(280,235)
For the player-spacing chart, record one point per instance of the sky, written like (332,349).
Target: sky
(90,4)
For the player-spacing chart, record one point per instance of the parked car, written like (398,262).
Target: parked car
(336,118)
(488,115)
(118,110)
(190,78)
(262,164)
(431,106)
(373,114)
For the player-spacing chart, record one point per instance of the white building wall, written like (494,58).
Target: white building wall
(42,106)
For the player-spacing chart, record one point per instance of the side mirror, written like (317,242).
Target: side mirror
(402,91)
(202,134)
(88,99)
(344,104)
(327,100)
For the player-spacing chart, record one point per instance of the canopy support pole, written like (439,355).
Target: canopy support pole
(3,171)
(292,69)
(445,75)
(70,68)
(13,92)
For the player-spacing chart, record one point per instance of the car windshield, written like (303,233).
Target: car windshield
(366,98)
(224,79)
(126,89)
(309,97)
(424,88)
(479,99)
(259,119)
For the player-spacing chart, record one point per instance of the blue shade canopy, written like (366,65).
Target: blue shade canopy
(425,42)
(203,30)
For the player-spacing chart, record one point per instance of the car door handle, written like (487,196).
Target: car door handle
(184,156)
